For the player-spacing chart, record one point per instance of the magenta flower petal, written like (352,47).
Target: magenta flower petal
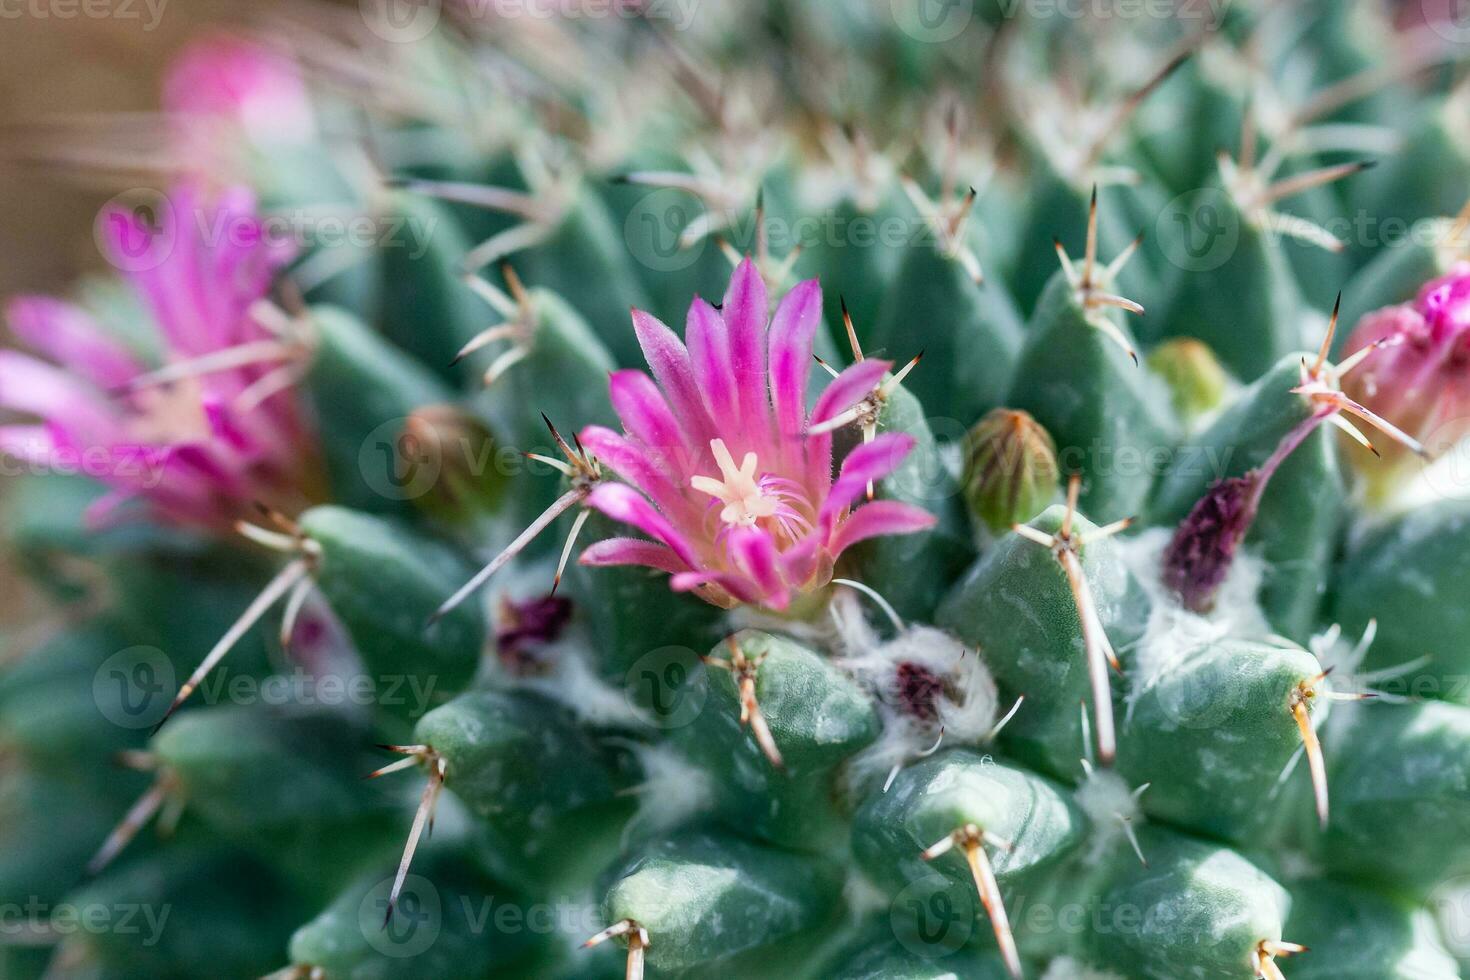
(67,334)
(736,586)
(744,313)
(646,415)
(634,464)
(1419,376)
(849,388)
(792,331)
(35,387)
(624,504)
(31,444)
(709,356)
(881,518)
(755,555)
(866,464)
(188,445)
(845,391)
(633,551)
(669,361)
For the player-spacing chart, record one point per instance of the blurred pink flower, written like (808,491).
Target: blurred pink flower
(227,96)
(211,430)
(724,468)
(1420,375)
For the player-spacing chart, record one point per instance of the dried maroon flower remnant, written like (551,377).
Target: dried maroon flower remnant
(1204,546)
(1200,555)
(527,627)
(918,688)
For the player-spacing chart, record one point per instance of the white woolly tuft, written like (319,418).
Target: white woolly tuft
(853,636)
(966,707)
(1112,807)
(1173,633)
(862,898)
(672,792)
(574,683)
(1066,968)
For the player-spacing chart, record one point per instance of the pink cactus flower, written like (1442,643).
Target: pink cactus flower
(212,429)
(725,470)
(227,96)
(1420,375)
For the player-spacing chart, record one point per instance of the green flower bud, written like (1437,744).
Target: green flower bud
(1011,469)
(1193,374)
(457,451)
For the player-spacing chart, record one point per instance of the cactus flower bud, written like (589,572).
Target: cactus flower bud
(1420,375)
(457,451)
(1195,378)
(1011,469)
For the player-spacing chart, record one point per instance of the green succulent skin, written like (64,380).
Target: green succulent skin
(385,596)
(817,716)
(1212,737)
(1108,417)
(1015,600)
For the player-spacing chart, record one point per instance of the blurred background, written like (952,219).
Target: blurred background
(78,65)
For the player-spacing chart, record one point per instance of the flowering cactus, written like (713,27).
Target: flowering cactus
(1050,635)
